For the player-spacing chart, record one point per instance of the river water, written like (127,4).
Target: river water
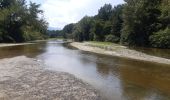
(113,77)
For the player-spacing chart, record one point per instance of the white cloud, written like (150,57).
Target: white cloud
(61,12)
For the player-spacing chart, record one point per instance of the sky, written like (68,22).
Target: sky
(59,13)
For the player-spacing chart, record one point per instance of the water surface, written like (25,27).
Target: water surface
(115,78)
(165,53)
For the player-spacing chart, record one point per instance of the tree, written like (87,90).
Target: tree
(161,39)
(68,30)
(85,27)
(98,30)
(105,12)
(140,18)
(77,34)
(12,20)
(117,22)
(18,23)
(54,33)
(135,23)
(80,31)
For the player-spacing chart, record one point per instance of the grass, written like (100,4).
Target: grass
(101,43)
(105,45)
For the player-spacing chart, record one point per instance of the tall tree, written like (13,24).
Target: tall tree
(18,23)
(117,21)
(68,30)
(105,12)
(140,20)
(161,38)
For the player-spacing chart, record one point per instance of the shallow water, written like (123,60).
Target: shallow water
(115,78)
(165,53)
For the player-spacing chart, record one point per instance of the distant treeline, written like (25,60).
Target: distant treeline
(134,23)
(55,33)
(20,22)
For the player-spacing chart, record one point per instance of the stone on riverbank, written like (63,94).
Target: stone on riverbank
(23,78)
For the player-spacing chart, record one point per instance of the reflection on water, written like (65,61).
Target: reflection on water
(165,53)
(145,81)
(31,50)
(115,78)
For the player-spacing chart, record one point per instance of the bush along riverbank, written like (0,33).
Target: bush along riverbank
(117,50)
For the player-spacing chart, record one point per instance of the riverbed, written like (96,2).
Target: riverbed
(115,78)
(23,78)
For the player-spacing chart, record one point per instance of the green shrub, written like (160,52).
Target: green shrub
(112,38)
(161,39)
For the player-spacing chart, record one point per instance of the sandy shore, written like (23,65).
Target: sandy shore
(13,44)
(23,78)
(119,51)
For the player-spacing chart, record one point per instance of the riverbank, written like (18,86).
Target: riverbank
(13,44)
(117,50)
(23,78)
(31,42)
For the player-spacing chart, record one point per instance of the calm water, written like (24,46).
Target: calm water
(115,78)
(165,53)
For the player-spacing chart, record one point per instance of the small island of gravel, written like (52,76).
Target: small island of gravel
(23,78)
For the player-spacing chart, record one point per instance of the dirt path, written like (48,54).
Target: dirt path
(120,51)
(23,78)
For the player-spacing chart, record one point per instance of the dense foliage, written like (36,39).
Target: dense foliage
(134,23)
(20,22)
(55,33)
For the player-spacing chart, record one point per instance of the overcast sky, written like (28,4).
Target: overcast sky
(58,13)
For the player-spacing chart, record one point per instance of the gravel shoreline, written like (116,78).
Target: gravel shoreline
(23,78)
(119,51)
(13,44)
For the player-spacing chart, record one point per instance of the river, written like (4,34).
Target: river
(115,78)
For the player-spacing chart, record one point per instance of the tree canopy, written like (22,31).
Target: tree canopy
(20,22)
(134,23)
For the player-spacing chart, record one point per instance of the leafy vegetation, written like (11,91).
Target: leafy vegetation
(134,23)
(20,22)
(161,38)
(55,34)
